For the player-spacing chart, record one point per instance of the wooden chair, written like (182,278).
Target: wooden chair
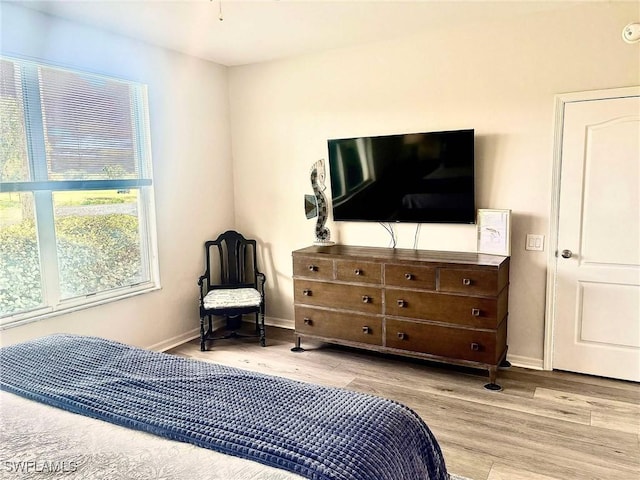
(231,286)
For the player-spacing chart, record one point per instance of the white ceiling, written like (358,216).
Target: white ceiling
(260,30)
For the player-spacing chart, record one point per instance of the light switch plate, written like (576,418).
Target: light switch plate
(535,242)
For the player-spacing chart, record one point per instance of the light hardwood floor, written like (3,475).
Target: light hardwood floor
(542,426)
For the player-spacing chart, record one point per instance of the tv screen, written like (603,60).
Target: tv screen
(416,177)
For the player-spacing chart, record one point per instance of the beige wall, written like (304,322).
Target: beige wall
(190,138)
(498,78)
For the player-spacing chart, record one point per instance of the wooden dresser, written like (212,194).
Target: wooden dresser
(444,306)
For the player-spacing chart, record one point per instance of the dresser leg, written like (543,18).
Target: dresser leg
(297,348)
(492,385)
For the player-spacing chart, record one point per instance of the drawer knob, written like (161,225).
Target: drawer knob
(475,312)
(402,303)
(357,271)
(466,282)
(366,330)
(306,292)
(408,276)
(313,268)
(402,335)
(366,299)
(307,321)
(475,347)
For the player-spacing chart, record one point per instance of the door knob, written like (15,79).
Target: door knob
(567,253)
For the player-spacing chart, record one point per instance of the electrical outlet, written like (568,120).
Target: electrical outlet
(535,242)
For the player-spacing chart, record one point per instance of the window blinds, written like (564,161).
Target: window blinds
(85,131)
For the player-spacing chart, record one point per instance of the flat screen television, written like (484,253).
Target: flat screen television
(416,177)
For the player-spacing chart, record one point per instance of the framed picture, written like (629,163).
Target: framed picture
(494,231)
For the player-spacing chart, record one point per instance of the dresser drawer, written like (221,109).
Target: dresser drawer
(458,309)
(410,276)
(358,271)
(351,327)
(310,267)
(469,282)
(358,298)
(451,342)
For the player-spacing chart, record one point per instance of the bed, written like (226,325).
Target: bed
(229,423)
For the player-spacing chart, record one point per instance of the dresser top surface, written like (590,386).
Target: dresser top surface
(402,255)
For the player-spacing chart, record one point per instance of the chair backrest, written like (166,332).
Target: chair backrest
(237,260)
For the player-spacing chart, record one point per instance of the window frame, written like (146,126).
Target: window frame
(44,215)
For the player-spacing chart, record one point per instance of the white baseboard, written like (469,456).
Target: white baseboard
(279,322)
(175,341)
(273,322)
(217,323)
(525,362)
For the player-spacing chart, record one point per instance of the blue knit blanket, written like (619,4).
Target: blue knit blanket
(314,431)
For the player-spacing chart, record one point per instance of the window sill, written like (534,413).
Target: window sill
(71,306)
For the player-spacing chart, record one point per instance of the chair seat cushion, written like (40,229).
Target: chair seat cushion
(232,298)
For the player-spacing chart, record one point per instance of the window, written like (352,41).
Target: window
(76,191)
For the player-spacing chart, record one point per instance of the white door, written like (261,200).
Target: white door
(597,283)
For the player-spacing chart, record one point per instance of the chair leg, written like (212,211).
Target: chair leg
(263,340)
(202,335)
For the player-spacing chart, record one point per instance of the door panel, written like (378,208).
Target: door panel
(596,302)
(597,289)
(611,230)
